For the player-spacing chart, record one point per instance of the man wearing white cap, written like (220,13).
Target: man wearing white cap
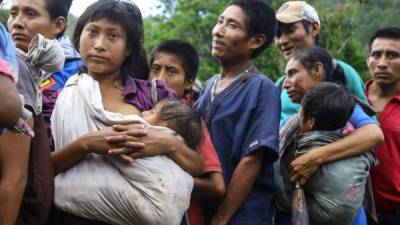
(299,27)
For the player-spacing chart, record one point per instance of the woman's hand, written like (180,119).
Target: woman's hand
(137,141)
(305,165)
(102,141)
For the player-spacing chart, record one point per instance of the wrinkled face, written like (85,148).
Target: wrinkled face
(384,61)
(28,18)
(169,68)
(152,116)
(298,80)
(229,36)
(103,47)
(293,36)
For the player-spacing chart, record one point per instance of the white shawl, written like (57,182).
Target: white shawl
(152,190)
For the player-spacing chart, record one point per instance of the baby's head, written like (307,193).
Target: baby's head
(327,106)
(178,116)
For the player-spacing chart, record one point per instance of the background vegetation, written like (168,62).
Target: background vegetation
(346,26)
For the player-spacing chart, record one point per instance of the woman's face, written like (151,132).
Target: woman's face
(298,80)
(28,18)
(103,47)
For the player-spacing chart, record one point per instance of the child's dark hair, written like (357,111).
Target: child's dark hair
(260,19)
(183,119)
(128,15)
(331,105)
(184,52)
(309,57)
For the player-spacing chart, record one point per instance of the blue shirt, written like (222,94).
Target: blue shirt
(241,119)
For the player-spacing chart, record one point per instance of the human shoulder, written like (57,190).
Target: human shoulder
(26,85)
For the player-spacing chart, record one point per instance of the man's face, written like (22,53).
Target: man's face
(291,36)
(229,36)
(169,68)
(384,61)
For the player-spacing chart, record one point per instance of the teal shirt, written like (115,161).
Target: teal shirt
(354,83)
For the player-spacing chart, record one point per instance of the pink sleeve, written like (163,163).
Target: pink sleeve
(5,71)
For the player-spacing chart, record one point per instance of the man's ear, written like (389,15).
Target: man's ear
(59,25)
(314,29)
(257,41)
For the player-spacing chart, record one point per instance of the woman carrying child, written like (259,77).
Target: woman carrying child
(306,69)
(111,61)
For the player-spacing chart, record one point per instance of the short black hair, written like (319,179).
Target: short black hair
(184,51)
(310,56)
(387,32)
(57,9)
(183,119)
(331,105)
(128,15)
(260,19)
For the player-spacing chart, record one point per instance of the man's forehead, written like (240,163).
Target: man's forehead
(388,44)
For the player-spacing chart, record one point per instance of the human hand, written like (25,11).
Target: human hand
(140,141)
(99,141)
(304,166)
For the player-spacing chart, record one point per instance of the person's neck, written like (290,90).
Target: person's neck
(385,91)
(107,80)
(231,70)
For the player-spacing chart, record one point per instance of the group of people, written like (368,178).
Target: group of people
(92,132)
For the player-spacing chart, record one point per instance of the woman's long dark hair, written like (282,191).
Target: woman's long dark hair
(128,15)
(309,57)
(334,73)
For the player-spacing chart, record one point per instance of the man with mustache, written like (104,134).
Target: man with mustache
(383,92)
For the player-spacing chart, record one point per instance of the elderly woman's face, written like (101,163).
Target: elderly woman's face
(28,18)
(298,80)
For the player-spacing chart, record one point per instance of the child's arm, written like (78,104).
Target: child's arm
(209,185)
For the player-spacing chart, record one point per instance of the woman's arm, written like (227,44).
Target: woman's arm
(157,143)
(14,157)
(95,142)
(211,184)
(359,141)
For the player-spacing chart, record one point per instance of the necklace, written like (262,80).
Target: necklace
(218,80)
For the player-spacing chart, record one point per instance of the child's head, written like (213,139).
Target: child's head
(327,106)
(175,62)
(109,37)
(178,116)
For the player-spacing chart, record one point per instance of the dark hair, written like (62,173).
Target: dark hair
(283,27)
(128,15)
(260,19)
(57,9)
(183,119)
(309,57)
(387,32)
(331,106)
(182,50)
